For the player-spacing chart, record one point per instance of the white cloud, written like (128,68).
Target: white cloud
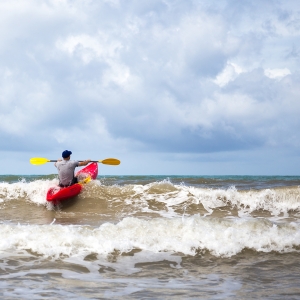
(277,73)
(166,76)
(229,73)
(88,47)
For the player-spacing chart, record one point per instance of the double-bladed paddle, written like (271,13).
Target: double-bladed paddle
(41,160)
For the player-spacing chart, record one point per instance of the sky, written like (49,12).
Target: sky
(169,87)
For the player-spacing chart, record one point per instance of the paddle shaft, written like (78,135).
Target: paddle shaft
(43,160)
(92,161)
(77,160)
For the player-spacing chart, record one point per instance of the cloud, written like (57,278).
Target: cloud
(277,73)
(229,73)
(163,76)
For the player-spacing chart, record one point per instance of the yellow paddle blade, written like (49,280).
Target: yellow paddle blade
(38,161)
(110,161)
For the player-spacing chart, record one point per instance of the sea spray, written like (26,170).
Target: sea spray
(164,198)
(220,237)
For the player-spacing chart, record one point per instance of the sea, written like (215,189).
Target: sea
(151,237)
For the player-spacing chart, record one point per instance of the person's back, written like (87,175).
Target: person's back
(66,171)
(66,168)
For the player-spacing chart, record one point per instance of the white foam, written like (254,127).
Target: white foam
(276,201)
(221,237)
(138,197)
(34,191)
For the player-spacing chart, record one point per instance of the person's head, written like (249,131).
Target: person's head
(66,154)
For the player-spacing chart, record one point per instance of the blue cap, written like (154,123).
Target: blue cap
(66,153)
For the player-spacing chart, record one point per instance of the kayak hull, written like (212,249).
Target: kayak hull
(57,193)
(91,170)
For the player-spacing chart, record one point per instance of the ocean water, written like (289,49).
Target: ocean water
(152,237)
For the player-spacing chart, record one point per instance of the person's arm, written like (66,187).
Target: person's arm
(57,162)
(83,163)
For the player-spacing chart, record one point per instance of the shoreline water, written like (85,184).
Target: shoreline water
(151,237)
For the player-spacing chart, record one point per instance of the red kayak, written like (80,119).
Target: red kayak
(57,193)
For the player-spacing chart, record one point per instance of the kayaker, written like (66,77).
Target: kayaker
(66,169)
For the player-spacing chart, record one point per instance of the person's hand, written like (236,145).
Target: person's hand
(57,162)
(87,161)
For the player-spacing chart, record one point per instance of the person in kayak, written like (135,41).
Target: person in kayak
(66,169)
